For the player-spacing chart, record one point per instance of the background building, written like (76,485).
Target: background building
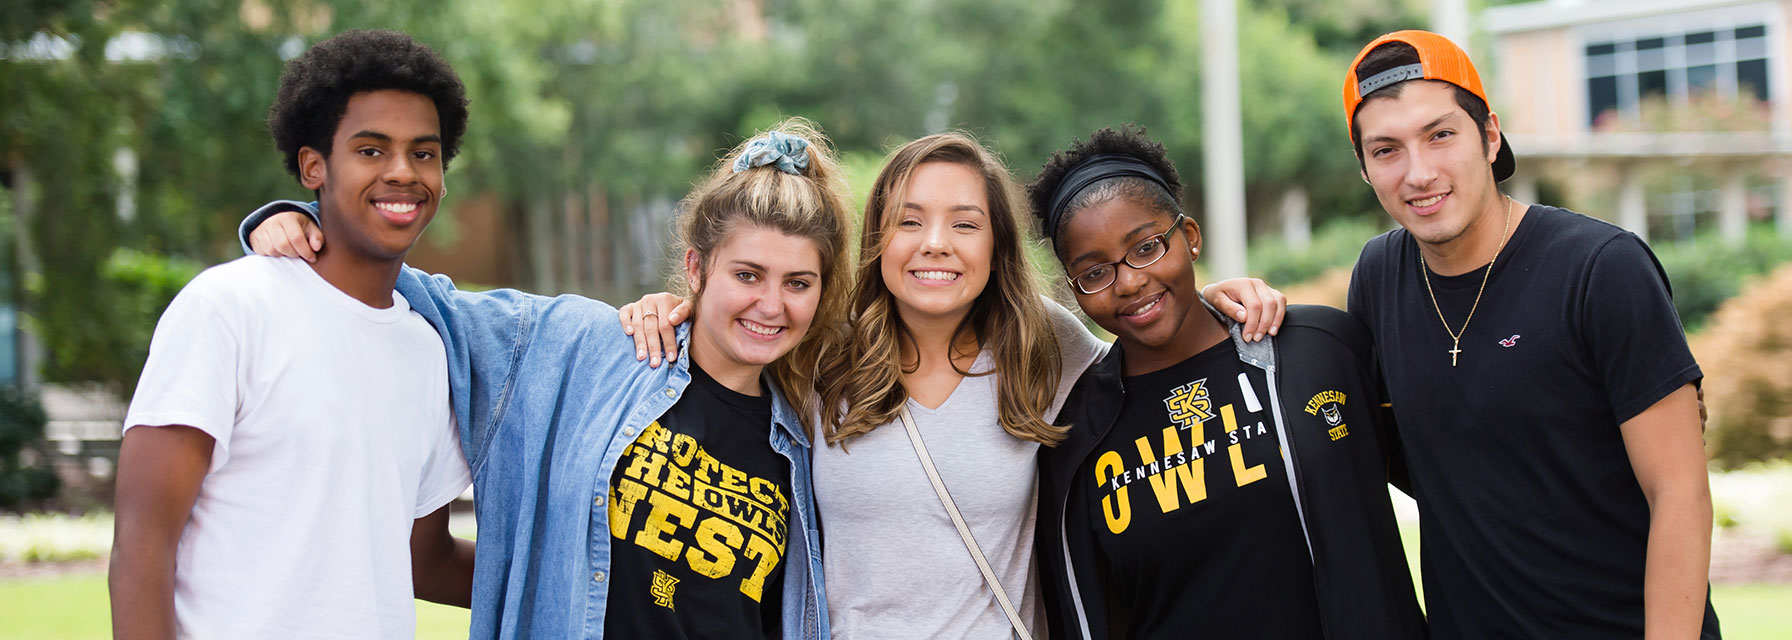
(1666,115)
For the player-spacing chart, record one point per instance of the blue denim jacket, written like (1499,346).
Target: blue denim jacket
(547,393)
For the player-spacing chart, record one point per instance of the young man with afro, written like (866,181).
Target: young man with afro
(289,455)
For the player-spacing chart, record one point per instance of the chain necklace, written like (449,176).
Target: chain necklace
(1425,272)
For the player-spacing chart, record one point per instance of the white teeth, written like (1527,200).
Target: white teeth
(396,207)
(1148,307)
(759,328)
(1426,202)
(936,275)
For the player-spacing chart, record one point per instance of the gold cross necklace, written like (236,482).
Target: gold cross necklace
(1425,272)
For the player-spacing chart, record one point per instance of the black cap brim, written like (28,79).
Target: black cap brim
(1504,164)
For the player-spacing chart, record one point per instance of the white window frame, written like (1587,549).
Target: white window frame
(1673,27)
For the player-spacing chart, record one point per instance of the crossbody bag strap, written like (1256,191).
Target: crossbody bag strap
(964,530)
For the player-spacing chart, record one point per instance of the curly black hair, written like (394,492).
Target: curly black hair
(1129,141)
(316,87)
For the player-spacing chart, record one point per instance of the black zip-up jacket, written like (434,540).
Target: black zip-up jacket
(1327,407)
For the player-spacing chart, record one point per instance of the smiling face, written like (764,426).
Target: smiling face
(1155,311)
(938,250)
(1428,165)
(755,304)
(382,181)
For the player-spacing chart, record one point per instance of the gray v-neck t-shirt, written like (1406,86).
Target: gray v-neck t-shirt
(895,565)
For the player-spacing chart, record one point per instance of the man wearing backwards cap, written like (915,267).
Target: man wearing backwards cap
(1538,372)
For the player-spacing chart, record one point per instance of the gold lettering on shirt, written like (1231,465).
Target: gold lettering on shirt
(653,534)
(1329,404)
(767,556)
(1240,474)
(732,515)
(717,538)
(1177,468)
(1116,508)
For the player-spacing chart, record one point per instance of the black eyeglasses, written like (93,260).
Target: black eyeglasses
(1144,254)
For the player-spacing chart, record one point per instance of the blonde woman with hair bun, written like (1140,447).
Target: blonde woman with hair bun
(638,502)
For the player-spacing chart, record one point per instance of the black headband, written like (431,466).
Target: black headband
(1092,170)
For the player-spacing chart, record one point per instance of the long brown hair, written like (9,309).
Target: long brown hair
(862,387)
(808,205)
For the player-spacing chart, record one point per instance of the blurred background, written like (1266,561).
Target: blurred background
(133,138)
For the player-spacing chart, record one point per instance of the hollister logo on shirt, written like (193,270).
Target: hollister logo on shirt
(1330,404)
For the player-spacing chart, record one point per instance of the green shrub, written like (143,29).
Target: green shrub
(1745,351)
(1706,271)
(25,473)
(1335,244)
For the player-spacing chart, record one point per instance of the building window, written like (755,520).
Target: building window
(1623,73)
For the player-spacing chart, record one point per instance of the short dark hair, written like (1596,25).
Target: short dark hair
(315,89)
(1399,54)
(1127,141)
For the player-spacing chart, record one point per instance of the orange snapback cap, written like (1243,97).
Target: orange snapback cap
(1439,59)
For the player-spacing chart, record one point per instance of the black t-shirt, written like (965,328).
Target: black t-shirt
(698,518)
(1192,512)
(1533,522)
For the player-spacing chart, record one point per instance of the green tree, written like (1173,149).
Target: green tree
(590,117)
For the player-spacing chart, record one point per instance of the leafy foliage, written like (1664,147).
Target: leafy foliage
(1706,271)
(587,107)
(25,474)
(1746,354)
(1335,244)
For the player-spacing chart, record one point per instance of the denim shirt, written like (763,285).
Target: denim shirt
(547,393)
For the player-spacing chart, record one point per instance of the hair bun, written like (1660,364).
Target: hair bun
(790,154)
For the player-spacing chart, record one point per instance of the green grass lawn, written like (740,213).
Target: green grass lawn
(74,607)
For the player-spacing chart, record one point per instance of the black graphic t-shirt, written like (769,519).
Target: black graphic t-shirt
(1192,511)
(1534,521)
(698,512)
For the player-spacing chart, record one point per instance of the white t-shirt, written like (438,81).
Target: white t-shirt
(333,433)
(895,565)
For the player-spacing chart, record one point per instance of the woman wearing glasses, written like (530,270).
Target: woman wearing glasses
(1211,486)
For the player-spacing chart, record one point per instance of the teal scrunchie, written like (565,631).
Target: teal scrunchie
(789,153)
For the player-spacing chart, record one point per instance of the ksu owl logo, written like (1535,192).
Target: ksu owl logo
(664,585)
(1189,405)
(1330,405)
